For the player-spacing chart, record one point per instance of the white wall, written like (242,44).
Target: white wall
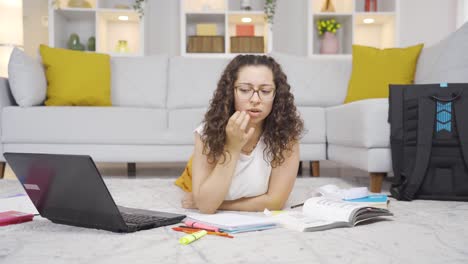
(35,31)
(290,27)
(163,30)
(426,21)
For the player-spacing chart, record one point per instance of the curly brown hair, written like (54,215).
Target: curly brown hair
(282,126)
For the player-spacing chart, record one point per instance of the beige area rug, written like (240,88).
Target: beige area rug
(420,232)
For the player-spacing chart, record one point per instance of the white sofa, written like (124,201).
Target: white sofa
(157,102)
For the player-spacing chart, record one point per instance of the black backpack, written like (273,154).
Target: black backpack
(429,141)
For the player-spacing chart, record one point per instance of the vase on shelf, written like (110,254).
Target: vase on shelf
(328,6)
(79,4)
(92,44)
(245,5)
(329,44)
(122,46)
(370,6)
(73,42)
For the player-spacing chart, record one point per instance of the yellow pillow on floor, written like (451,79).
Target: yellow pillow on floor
(374,69)
(185,180)
(76,77)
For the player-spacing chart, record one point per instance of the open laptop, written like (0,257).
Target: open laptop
(68,189)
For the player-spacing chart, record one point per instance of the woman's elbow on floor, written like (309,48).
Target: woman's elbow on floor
(275,205)
(207,210)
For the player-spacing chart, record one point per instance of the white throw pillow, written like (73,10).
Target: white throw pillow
(446,61)
(27,79)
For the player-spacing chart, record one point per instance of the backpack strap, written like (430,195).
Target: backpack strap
(426,119)
(395,118)
(461,109)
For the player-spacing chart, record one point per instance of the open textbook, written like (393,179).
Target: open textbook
(322,213)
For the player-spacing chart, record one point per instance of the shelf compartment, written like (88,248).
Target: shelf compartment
(196,6)
(256,5)
(380,34)
(382,6)
(260,30)
(68,21)
(116,4)
(192,20)
(341,6)
(63,4)
(111,30)
(344,34)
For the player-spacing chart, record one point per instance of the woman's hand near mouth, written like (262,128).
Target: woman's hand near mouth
(236,134)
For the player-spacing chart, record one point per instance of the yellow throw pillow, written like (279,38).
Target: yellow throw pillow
(374,69)
(185,180)
(76,77)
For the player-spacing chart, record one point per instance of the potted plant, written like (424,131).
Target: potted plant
(269,9)
(139,6)
(326,29)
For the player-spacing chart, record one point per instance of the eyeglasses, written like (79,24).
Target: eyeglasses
(246,91)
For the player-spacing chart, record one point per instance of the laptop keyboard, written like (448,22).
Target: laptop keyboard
(137,219)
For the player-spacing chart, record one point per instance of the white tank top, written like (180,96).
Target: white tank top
(252,173)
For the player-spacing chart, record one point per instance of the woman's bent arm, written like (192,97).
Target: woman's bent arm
(281,183)
(211,182)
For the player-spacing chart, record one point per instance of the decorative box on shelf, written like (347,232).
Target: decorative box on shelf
(247,44)
(206,29)
(205,44)
(245,30)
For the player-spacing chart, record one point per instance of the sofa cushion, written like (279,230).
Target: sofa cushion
(316,81)
(192,81)
(359,124)
(446,61)
(88,125)
(371,160)
(139,81)
(314,124)
(374,69)
(76,77)
(186,119)
(27,79)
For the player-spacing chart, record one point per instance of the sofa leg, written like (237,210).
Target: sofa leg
(314,168)
(131,170)
(2,170)
(299,170)
(376,179)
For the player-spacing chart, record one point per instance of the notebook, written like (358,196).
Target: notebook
(233,222)
(68,189)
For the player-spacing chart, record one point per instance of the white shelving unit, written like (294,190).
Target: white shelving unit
(382,33)
(225,14)
(107,20)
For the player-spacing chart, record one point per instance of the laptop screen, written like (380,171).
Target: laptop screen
(66,188)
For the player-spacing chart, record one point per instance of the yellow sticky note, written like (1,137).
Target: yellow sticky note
(206,29)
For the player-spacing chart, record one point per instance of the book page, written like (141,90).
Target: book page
(330,209)
(298,221)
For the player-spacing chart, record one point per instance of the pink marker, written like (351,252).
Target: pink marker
(200,225)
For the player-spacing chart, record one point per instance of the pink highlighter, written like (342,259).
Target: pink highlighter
(201,226)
